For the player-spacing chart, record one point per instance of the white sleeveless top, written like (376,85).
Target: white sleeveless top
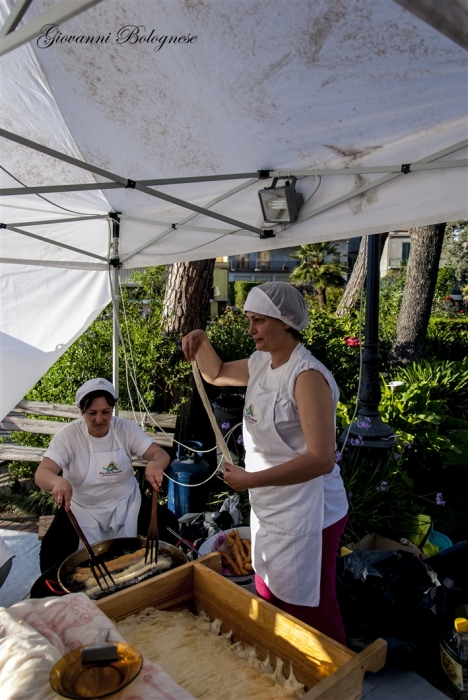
(282,381)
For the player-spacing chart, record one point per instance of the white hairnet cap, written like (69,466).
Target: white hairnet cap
(98,384)
(279,300)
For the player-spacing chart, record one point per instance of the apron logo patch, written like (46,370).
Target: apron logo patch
(111,470)
(249,414)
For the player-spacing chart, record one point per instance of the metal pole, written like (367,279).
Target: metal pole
(370,393)
(115,303)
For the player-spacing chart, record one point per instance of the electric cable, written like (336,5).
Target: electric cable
(71,211)
(131,372)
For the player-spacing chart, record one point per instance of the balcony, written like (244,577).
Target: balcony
(262,266)
(395,263)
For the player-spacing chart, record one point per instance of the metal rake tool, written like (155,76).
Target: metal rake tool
(98,568)
(152,538)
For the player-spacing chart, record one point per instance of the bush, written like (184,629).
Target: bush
(334,342)
(229,335)
(431,403)
(241,290)
(152,358)
(447,338)
(378,495)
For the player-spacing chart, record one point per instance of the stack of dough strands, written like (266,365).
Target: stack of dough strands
(218,434)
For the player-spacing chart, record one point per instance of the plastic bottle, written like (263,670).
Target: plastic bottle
(454,656)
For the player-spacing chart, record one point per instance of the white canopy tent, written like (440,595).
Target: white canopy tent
(360,100)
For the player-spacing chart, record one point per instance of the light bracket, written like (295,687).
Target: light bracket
(280,205)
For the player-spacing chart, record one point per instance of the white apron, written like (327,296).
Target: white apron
(286,521)
(107,501)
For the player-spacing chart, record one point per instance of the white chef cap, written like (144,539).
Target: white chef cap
(98,384)
(279,300)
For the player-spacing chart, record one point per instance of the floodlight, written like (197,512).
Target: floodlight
(281,204)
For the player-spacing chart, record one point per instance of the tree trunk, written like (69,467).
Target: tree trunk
(188,292)
(186,307)
(421,278)
(358,275)
(322,297)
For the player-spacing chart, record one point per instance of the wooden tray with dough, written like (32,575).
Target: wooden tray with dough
(328,669)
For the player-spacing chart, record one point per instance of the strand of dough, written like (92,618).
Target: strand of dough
(204,662)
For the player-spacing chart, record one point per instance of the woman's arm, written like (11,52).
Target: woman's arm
(196,346)
(48,479)
(158,460)
(315,408)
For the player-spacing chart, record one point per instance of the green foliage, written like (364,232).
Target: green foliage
(229,336)
(455,249)
(430,412)
(153,358)
(447,338)
(314,269)
(378,495)
(326,337)
(241,290)
(444,285)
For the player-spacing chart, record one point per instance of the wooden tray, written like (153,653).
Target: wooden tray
(328,670)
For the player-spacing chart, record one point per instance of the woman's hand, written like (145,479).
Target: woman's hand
(236,477)
(62,492)
(154,474)
(191,344)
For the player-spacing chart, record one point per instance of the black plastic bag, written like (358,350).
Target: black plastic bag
(197,527)
(451,566)
(393,595)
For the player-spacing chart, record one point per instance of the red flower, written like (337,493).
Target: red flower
(352,341)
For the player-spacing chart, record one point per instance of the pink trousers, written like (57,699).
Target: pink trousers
(326,617)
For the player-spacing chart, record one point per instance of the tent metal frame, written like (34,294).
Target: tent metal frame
(117,181)
(11,38)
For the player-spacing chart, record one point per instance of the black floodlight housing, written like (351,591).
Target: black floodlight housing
(281,204)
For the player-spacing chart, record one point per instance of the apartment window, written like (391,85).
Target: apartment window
(263,260)
(405,249)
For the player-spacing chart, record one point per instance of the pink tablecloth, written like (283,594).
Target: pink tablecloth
(35,633)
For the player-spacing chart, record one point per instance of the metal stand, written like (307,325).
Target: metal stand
(368,427)
(115,303)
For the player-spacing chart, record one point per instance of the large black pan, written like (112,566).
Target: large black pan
(108,550)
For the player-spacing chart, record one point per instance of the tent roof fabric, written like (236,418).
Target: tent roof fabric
(164,89)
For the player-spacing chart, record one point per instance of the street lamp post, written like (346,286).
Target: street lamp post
(369,428)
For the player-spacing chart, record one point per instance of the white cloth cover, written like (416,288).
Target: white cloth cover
(35,634)
(289,86)
(5,552)
(279,300)
(286,522)
(96,384)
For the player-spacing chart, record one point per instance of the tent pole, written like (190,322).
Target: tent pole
(115,262)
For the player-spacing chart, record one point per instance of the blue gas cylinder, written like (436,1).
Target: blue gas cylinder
(188,470)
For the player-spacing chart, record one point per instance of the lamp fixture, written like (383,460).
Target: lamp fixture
(280,204)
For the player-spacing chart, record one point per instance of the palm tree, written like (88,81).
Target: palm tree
(313,269)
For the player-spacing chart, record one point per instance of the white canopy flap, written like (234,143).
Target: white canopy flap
(165,111)
(43,311)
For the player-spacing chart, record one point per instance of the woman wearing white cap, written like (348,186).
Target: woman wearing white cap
(97,482)
(298,502)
